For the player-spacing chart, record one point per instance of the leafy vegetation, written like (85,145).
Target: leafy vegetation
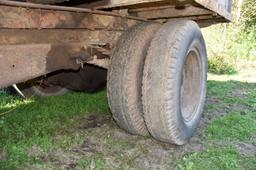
(220,65)
(233,127)
(231,47)
(212,158)
(215,159)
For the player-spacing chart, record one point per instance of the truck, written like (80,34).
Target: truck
(150,53)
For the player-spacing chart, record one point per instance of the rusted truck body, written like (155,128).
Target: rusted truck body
(41,37)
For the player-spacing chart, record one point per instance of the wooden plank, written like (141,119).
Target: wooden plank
(14,17)
(116,3)
(64,8)
(205,7)
(166,12)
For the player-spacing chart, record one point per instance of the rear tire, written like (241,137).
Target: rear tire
(125,77)
(175,82)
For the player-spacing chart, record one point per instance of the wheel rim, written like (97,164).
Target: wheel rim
(191,86)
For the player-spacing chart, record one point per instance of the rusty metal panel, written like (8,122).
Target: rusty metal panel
(27,54)
(34,47)
(57,36)
(19,63)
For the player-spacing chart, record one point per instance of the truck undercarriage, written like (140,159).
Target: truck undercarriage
(41,37)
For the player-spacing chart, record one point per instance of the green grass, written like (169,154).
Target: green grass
(37,121)
(234,127)
(239,123)
(215,159)
(95,162)
(53,126)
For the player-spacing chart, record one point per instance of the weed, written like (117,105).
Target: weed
(214,159)
(233,126)
(219,65)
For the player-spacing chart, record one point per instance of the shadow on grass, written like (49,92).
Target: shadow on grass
(44,115)
(37,121)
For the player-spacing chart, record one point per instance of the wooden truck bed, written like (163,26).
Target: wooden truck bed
(36,38)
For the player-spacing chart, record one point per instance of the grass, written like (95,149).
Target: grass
(215,159)
(234,122)
(57,132)
(234,126)
(37,121)
(239,103)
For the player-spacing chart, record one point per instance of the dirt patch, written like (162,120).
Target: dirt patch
(241,93)
(219,110)
(120,149)
(212,100)
(34,151)
(246,149)
(156,158)
(2,154)
(87,146)
(143,152)
(91,121)
(122,135)
(64,159)
(158,155)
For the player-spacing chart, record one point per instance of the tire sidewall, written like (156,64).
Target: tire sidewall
(192,39)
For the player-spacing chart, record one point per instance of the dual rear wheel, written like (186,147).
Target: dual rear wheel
(157,80)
